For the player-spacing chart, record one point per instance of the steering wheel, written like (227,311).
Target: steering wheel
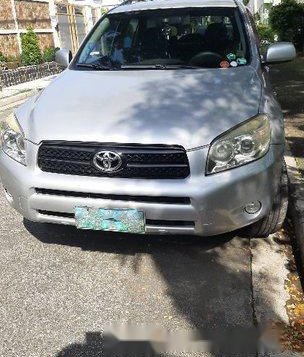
(206,58)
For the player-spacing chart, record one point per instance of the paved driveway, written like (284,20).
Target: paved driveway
(60,287)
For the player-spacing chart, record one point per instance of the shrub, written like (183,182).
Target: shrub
(9,62)
(31,53)
(286,19)
(266,33)
(2,58)
(13,59)
(103,11)
(13,62)
(48,54)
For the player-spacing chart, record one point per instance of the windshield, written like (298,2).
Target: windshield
(204,37)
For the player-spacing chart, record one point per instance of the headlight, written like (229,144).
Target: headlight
(246,143)
(12,139)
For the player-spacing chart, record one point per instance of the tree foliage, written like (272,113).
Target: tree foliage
(103,10)
(286,19)
(266,33)
(31,53)
(49,54)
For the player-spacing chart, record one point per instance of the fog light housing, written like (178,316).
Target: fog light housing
(253,207)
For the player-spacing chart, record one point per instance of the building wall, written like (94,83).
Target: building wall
(261,7)
(9,45)
(16,16)
(46,40)
(256,6)
(109,4)
(28,14)
(6,20)
(32,14)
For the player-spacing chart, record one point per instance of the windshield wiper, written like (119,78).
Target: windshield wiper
(143,66)
(111,66)
(138,66)
(158,66)
(177,66)
(99,67)
(187,66)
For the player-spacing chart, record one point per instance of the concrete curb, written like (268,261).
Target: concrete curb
(17,94)
(15,98)
(296,204)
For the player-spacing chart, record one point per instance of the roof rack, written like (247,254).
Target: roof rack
(239,3)
(130,2)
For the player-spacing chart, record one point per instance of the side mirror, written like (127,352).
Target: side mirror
(280,52)
(63,57)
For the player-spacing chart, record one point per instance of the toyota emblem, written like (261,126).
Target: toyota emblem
(107,161)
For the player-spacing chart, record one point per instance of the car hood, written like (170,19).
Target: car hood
(184,107)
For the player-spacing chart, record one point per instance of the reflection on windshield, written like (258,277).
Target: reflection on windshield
(206,37)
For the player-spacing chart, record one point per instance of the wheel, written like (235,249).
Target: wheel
(275,218)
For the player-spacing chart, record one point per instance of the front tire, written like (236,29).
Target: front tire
(275,218)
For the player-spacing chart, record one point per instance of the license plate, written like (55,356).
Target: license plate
(112,220)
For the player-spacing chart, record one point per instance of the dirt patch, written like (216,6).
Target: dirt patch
(288,82)
(290,336)
(294,125)
(293,335)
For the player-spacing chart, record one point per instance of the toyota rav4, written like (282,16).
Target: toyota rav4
(163,122)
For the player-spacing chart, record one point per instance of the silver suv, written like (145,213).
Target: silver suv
(163,122)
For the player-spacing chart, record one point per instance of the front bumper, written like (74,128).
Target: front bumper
(201,205)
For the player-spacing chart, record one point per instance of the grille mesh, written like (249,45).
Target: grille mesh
(139,161)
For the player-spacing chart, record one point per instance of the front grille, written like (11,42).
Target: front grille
(138,161)
(116,197)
